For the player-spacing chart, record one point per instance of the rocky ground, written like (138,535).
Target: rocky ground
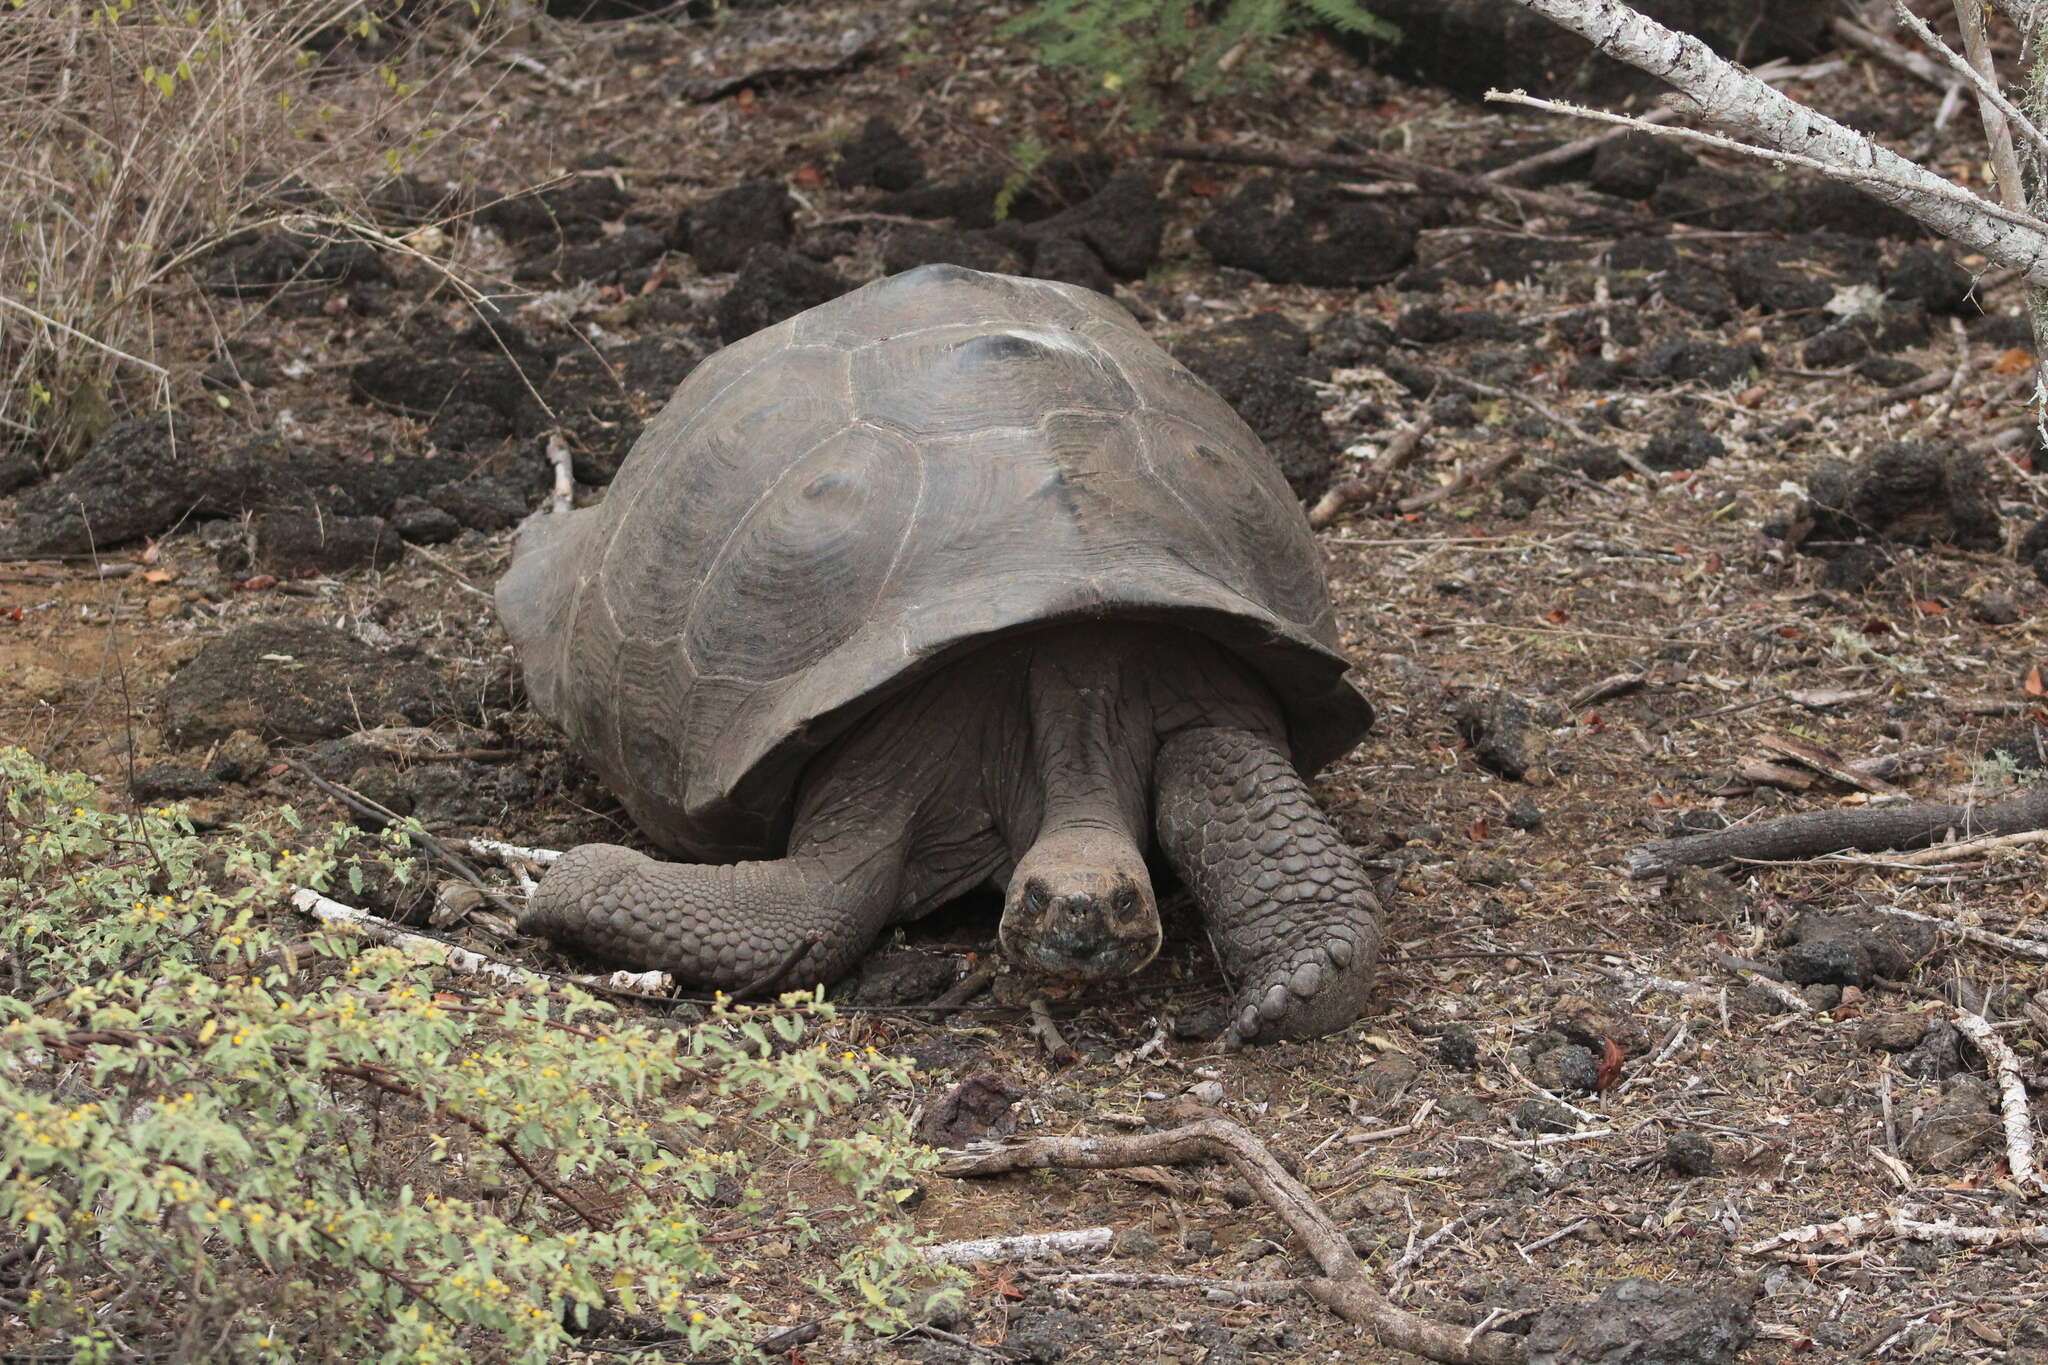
(1725,508)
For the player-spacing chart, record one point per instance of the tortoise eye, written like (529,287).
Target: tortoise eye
(1125,900)
(1035,896)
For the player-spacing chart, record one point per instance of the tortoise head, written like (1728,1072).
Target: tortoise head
(1080,907)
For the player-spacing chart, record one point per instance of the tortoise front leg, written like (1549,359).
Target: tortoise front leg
(723,926)
(1284,895)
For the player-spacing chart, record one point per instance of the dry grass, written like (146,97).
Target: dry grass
(135,137)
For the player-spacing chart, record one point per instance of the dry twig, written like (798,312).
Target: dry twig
(1344,1290)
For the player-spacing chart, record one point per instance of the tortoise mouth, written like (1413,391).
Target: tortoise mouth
(1102,928)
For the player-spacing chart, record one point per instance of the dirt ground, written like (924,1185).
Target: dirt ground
(1662,642)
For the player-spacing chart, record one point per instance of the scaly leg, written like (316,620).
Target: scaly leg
(1289,904)
(724,926)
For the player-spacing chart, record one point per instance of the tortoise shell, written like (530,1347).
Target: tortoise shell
(834,506)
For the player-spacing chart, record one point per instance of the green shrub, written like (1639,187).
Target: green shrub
(219,1141)
(1132,45)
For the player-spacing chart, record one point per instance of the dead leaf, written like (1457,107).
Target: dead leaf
(1929,607)
(256,584)
(809,176)
(1611,1058)
(1557,616)
(2014,361)
(156,575)
(2033,684)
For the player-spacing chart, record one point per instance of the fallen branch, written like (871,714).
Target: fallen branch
(1029,1246)
(563,496)
(1345,1289)
(1478,478)
(2019,947)
(1902,1224)
(464,961)
(1875,44)
(1435,179)
(1256,1291)
(1731,98)
(1797,838)
(1368,486)
(2013,1109)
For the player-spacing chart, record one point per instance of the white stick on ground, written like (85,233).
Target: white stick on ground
(462,960)
(1030,1246)
(1901,1224)
(2019,947)
(563,497)
(502,852)
(2012,1098)
(1732,99)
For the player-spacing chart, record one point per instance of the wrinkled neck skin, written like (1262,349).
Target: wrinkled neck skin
(1076,819)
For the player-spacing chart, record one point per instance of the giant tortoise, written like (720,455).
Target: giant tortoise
(955,579)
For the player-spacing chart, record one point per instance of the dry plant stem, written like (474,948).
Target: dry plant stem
(564,495)
(1885,50)
(1345,1290)
(1902,1224)
(2018,947)
(1048,1033)
(1571,151)
(1256,1291)
(462,960)
(1799,837)
(1478,478)
(1029,1246)
(1998,113)
(2014,1111)
(1730,98)
(506,853)
(1368,486)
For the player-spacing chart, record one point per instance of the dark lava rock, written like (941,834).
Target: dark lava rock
(2003,331)
(138,480)
(1696,895)
(1689,1154)
(879,156)
(1762,280)
(1599,463)
(241,757)
(898,976)
(482,503)
(18,469)
(1120,224)
(575,210)
(443,794)
(2034,542)
(1060,183)
(1537,1117)
(407,201)
(1683,445)
(1043,1336)
(172,782)
(2025,748)
(1485,869)
(478,366)
(297,544)
(910,245)
(464,425)
(1690,359)
(1927,276)
(1496,1173)
(774,284)
(418,522)
(980,1106)
(601,399)
(295,681)
(1840,343)
(1350,339)
(1568,1069)
(1856,569)
(1908,493)
(236,365)
(1690,822)
(1202,1024)
(1458,1046)
(607,260)
(724,230)
(1524,814)
(1262,367)
(1995,608)
(1958,1131)
(1892,1030)
(1070,261)
(1634,165)
(1840,950)
(1644,1322)
(1505,733)
(1890,371)
(277,260)
(1306,231)
(1470,46)
(1698,290)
